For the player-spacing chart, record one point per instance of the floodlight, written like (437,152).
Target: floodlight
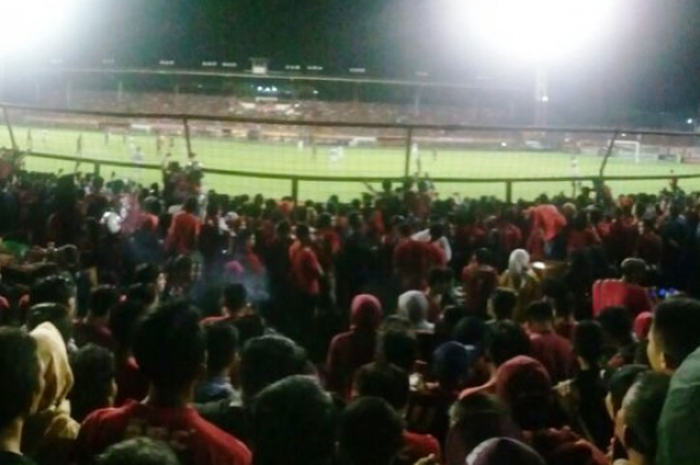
(545,99)
(30,24)
(534,30)
(690,121)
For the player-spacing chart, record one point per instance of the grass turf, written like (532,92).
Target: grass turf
(288,159)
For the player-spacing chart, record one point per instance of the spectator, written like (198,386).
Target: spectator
(350,350)
(222,341)
(294,423)
(370,433)
(49,433)
(184,230)
(552,350)
(626,292)
(439,292)
(520,278)
(479,279)
(95,386)
(138,451)
(503,450)
(306,279)
(234,305)
(619,342)
(413,305)
(21,386)
(398,347)
(170,349)
(123,321)
(94,328)
(675,333)
(502,305)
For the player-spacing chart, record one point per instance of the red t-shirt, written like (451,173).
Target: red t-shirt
(509,237)
(194,440)
(418,446)
(613,292)
(413,260)
(182,236)
(555,353)
(305,269)
(479,281)
(578,240)
(131,384)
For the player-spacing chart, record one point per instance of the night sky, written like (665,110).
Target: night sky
(651,60)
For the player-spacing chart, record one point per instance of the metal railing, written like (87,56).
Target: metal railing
(195,129)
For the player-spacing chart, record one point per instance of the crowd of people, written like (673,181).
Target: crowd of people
(162,325)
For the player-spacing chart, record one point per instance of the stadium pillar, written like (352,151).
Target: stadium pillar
(608,152)
(407,162)
(295,190)
(509,191)
(188,142)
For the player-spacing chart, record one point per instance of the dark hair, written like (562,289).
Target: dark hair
(235,296)
(370,432)
(222,341)
(170,346)
(293,423)
(503,302)
(123,320)
(472,331)
(19,372)
(138,451)
(483,256)
(190,205)
(440,276)
(588,342)
(142,292)
(643,404)
(539,312)
(620,381)
(54,313)
(385,381)
(102,299)
(52,289)
(302,231)
(556,290)
(93,371)
(146,273)
(249,327)
(399,348)
(507,339)
(617,322)
(676,329)
(268,359)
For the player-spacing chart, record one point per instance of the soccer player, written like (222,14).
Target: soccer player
(30,141)
(575,174)
(79,145)
(106,137)
(160,142)
(138,159)
(44,136)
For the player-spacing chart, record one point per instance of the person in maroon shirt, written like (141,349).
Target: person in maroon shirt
(649,246)
(352,349)
(184,230)
(369,433)
(170,348)
(626,291)
(581,235)
(94,328)
(413,259)
(479,280)
(131,384)
(306,285)
(549,348)
(391,383)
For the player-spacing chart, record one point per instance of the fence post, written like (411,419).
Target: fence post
(608,152)
(188,141)
(409,144)
(9,128)
(509,191)
(295,190)
(96,169)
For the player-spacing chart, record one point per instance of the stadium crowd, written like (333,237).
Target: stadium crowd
(161,325)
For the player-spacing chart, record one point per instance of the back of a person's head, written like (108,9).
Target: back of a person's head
(385,381)
(438,276)
(483,256)
(20,375)
(524,384)
(268,359)
(471,331)
(249,327)
(138,451)
(235,297)
(293,423)
(54,313)
(588,342)
(539,312)
(102,299)
(170,346)
(370,432)
(146,273)
(222,341)
(93,373)
(503,301)
(675,332)
(617,323)
(507,339)
(398,348)
(499,451)
(633,269)
(52,289)
(190,205)
(123,320)
(142,292)
(302,231)
(642,409)
(452,364)
(619,382)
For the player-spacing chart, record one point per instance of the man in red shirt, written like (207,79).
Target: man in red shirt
(413,259)
(95,327)
(623,292)
(549,348)
(170,348)
(306,284)
(184,230)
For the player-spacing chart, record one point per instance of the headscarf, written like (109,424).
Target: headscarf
(525,386)
(365,312)
(413,305)
(518,266)
(499,451)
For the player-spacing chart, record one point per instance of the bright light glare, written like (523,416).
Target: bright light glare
(536,30)
(30,24)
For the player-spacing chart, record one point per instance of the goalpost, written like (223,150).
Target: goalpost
(629,146)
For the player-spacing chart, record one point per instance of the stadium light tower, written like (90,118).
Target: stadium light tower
(537,32)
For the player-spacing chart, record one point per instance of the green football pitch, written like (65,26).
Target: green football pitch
(288,159)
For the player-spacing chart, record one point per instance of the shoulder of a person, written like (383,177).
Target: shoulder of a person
(222,443)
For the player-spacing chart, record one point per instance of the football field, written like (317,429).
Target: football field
(290,159)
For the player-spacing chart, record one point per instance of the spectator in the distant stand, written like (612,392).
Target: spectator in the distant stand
(170,348)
